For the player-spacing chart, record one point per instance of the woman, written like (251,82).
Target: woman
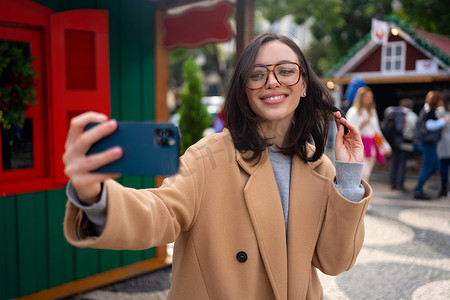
(443,147)
(429,140)
(363,116)
(253,210)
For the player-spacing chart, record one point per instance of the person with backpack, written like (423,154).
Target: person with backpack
(398,128)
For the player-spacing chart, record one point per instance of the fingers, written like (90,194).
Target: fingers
(348,147)
(89,137)
(79,141)
(95,161)
(79,163)
(78,123)
(350,128)
(340,133)
(78,168)
(338,120)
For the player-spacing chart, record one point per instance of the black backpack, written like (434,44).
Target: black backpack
(392,126)
(422,133)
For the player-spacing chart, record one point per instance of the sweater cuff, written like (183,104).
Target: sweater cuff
(348,180)
(96,212)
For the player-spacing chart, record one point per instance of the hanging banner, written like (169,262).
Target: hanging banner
(198,27)
(380,31)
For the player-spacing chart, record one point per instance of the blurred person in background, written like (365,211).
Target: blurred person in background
(364,116)
(403,148)
(428,132)
(443,147)
(350,92)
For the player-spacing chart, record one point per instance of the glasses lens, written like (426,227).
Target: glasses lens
(287,74)
(257,78)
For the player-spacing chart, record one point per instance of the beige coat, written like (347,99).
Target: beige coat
(219,205)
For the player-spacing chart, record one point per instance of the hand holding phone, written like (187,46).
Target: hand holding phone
(149,148)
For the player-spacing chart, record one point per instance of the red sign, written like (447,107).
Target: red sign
(198,27)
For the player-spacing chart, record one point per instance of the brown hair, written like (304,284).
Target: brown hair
(310,117)
(434,99)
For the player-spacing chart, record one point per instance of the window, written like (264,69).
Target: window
(16,141)
(71,56)
(23,148)
(17,147)
(393,59)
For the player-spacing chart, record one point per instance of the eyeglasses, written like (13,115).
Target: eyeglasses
(286,73)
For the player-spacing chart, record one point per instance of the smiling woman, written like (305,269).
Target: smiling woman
(281,89)
(274,90)
(269,205)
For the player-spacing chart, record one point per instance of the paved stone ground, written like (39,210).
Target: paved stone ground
(406,253)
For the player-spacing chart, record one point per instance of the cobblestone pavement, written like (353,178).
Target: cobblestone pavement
(406,253)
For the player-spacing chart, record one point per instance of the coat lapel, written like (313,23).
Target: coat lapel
(266,213)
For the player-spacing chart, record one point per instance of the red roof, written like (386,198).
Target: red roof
(440,41)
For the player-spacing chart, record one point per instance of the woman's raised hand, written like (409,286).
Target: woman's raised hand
(348,147)
(78,166)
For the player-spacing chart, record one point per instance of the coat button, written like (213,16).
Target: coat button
(241,256)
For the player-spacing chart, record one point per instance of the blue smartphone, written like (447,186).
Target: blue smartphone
(149,148)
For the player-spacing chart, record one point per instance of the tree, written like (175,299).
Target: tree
(430,15)
(194,117)
(349,24)
(215,61)
(177,57)
(273,10)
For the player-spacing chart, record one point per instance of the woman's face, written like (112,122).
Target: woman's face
(367,99)
(275,102)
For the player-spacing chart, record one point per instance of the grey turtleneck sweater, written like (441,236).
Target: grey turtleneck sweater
(348,176)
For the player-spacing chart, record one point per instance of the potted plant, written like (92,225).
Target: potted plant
(17,84)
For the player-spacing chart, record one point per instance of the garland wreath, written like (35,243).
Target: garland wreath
(17,84)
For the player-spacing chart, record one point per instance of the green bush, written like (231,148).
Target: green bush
(194,117)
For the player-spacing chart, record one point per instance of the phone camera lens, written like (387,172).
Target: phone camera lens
(159,131)
(164,141)
(169,132)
